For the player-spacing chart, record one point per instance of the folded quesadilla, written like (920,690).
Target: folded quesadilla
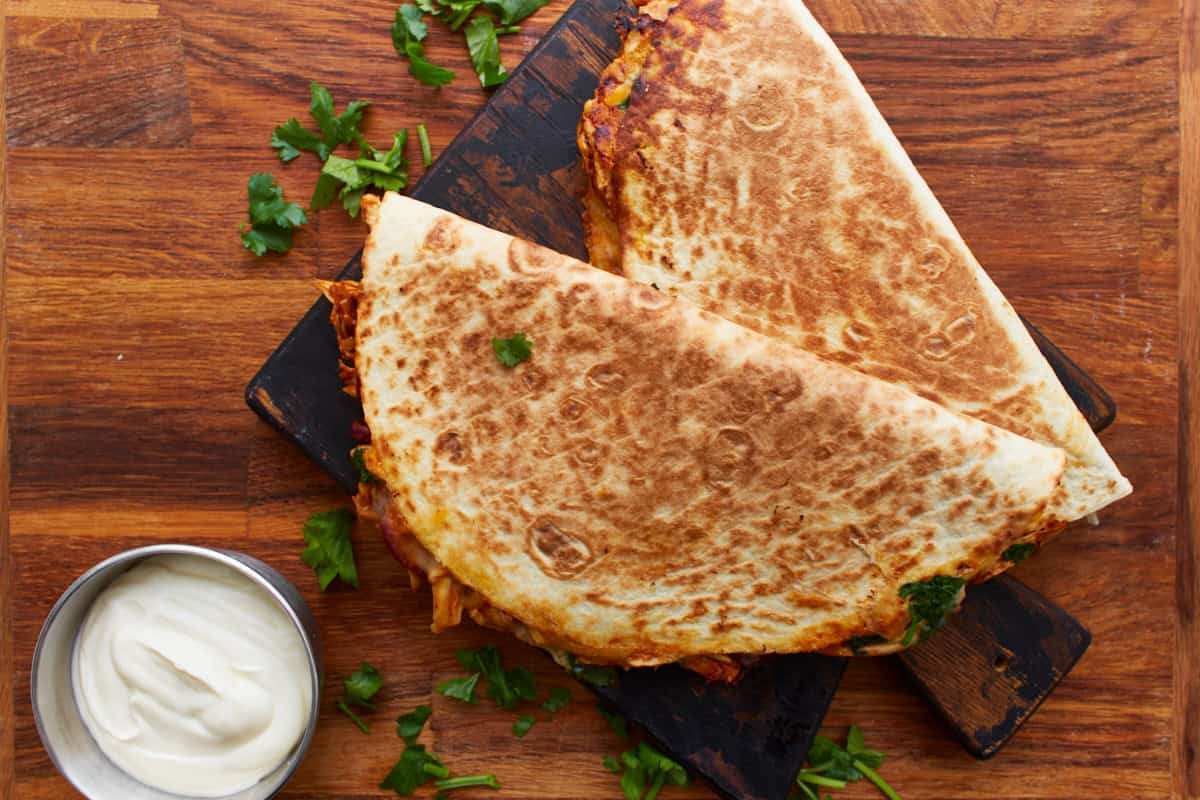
(611,472)
(778,198)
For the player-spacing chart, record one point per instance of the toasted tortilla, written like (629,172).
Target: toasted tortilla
(656,482)
(778,197)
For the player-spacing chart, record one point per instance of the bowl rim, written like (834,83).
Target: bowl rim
(231,558)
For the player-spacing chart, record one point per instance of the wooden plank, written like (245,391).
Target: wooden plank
(7,700)
(1021,101)
(1129,20)
(1186,730)
(75,9)
(187,228)
(68,75)
(1035,101)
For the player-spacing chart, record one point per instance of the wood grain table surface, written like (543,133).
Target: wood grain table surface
(1056,133)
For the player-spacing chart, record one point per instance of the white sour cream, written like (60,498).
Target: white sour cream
(190,676)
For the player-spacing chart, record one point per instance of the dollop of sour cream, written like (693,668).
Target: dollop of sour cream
(191,677)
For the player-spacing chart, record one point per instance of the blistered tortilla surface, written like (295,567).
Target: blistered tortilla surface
(656,482)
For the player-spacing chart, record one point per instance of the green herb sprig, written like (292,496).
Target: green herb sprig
(327,547)
(359,688)
(494,18)
(833,767)
(644,771)
(418,766)
(272,219)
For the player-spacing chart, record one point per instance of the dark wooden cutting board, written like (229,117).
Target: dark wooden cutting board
(514,168)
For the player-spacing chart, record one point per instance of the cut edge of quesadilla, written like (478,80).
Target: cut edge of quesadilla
(446,538)
(615,244)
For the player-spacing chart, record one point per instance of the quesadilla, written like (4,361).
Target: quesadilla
(782,201)
(643,482)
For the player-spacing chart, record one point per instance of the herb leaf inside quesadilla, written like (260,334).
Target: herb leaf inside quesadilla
(929,602)
(1019,552)
(513,350)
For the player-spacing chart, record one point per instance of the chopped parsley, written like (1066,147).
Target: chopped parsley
(506,688)
(416,767)
(408,31)
(426,149)
(290,138)
(327,547)
(272,220)
(460,688)
(833,767)
(364,475)
(929,603)
(409,726)
(1019,552)
(387,170)
(485,52)
(522,725)
(857,643)
(480,30)
(358,689)
(465,782)
(559,697)
(513,350)
(645,771)
(591,673)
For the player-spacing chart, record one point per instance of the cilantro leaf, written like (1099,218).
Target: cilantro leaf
(594,674)
(408,31)
(327,547)
(615,721)
(460,688)
(408,726)
(364,475)
(271,217)
(522,725)
(513,350)
(335,128)
(361,685)
(465,782)
(511,12)
(426,150)
(505,688)
(559,697)
(645,771)
(929,603)
(1019,552)
(358,689)
(485,52)
(290,138)
(258,239)
(832,767)
(415,768)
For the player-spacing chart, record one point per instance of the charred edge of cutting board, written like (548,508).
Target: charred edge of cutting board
(748,739)
(988,670)
(1096,405)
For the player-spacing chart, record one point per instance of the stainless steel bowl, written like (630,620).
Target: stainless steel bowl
(59,723)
